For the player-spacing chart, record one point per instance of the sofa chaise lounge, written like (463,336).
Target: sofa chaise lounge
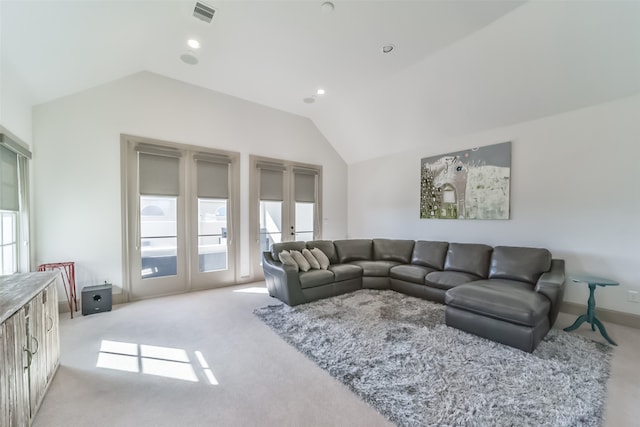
(511,295)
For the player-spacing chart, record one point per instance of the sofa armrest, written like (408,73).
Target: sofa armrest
(282,281)
(551,285)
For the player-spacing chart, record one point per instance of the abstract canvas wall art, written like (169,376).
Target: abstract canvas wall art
(468,184)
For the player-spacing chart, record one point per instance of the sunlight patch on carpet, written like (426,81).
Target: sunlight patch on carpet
(168,362)
(253,290)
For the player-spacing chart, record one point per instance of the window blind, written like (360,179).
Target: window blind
(213,176)
(271,182)
(304,186)
(159,175)
(9,190)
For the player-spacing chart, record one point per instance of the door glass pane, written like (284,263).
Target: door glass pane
(270,224)
(212,234)
(158,236)
(304,221)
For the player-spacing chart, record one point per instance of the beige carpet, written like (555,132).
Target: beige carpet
(204,359)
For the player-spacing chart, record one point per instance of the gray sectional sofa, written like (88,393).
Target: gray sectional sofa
(511,295)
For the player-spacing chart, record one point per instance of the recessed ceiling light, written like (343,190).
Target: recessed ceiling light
(327,7)
(320,92)
(193,44)
(189,58)
(388,48)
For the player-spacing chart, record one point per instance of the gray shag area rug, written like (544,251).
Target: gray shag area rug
(396,353)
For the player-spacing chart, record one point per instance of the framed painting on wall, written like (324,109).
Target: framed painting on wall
(468,184)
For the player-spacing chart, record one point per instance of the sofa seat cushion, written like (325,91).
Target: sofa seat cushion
(410,273)
(448,279)
(345,271)
(313,278)
(510,301)
(375,268)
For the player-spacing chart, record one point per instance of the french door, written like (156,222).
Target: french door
(180,216)
(286,198)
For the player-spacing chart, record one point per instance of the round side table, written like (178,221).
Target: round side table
(590,316)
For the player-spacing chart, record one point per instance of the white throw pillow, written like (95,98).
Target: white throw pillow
(321,257)
(313,262)
(287,259)
(303,264)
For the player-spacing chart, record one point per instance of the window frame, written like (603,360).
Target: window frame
(22,248)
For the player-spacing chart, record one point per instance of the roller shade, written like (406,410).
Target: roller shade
(305,185)
(9,194)
(213,177)
(159,174)
(271,182)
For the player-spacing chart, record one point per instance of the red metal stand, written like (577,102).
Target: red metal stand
(68,279)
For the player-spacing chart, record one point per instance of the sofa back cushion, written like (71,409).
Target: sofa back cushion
(522,264)
(392,250)
(429,254)
(327,247)
(353,250)
(469,258)
(276,248)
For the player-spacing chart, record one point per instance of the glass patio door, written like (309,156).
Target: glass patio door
(158,258)
(212,243)
(181,217)
(287,202)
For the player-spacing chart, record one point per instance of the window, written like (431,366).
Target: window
(9,242)
(158,236)
(270,223)
(212,234)
(159,189)
(213,205)
(14,213)
(271,204)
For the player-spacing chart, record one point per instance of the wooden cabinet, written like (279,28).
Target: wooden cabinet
(14,385)
(29,344)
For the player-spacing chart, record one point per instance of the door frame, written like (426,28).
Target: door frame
(288,209)
(186,205)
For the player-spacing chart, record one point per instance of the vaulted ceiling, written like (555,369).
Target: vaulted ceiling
(457,66)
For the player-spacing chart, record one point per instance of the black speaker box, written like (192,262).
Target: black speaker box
(96,299)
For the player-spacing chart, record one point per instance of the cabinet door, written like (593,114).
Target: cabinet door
(36,346)
(14,386)
(51,323)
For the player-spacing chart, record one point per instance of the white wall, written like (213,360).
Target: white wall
(77,208)
(15,103)
(574,190)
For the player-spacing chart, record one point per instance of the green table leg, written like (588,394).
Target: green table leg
(603,331)
(579,321)
(590,317)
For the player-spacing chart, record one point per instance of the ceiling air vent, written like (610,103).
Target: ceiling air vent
(204,12)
